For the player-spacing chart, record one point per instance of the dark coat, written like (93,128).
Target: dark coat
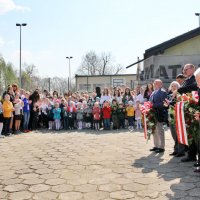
(157,98)
(188,86)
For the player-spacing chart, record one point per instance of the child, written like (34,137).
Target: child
(71,110)
(57,116)
(114,110)
(138,114)
(88,115)
(26,112)
(106,110)
(50,113)
(79,116)
(96,115)
(7,114)
(65,116)
(1,120)
(121,115)
(44,109)
(18,104)
(130,115)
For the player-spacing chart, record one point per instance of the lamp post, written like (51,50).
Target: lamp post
(198,14)
(20,56)
(69,72)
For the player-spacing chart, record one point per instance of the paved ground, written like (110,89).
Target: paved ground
(79,165)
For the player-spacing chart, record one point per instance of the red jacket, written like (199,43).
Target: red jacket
(96,113)
(106,112)
(74,109)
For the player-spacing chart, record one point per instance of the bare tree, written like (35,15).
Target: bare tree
(92,64)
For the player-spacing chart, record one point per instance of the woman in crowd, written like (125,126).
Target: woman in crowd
(105,97)
(179,149)
(148,91)
(117,95)
(127,96)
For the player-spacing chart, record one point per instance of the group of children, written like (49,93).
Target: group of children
(68,115)
(89,114)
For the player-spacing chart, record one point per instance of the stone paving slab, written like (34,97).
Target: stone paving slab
(85,165)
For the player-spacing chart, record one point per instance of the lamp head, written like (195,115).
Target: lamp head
(197,14)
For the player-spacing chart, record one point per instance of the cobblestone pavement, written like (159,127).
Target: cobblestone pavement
(90,166)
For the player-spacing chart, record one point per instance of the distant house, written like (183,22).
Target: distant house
(166,60)
(89,83)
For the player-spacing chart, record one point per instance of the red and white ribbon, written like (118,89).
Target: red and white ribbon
(180,123)
(145,126)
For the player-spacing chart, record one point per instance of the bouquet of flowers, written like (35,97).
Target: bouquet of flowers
(190,108)
(149,119)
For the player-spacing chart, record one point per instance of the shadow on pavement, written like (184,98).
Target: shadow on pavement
(184,183)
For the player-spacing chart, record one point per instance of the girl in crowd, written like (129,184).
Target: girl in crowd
(130,115)
(138,115)
(106,111)
(26,112)
(7,114)
(79,116)
(57,116)
(71,110)
(18,106)
(96,115)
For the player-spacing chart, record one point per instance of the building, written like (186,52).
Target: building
(166,60)
(89,83)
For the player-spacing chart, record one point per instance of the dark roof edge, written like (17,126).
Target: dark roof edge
(76,75)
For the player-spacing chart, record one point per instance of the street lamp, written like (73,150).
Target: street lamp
(20,56)
(69,72)
(198,14)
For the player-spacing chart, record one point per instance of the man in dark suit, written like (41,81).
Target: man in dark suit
(188,86)
(197,116)
(157,98)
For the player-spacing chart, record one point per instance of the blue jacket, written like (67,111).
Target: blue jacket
(56,112)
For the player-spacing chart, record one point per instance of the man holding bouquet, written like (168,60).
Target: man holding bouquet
(157,98)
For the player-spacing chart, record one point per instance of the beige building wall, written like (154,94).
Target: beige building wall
(189,47)
(91,82)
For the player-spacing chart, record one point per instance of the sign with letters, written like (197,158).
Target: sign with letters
(167,68)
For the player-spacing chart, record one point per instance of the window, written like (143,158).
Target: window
(118,82)
(86,87)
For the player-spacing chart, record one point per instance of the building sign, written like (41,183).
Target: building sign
(167,68)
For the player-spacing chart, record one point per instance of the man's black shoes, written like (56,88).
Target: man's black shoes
(153,149)
(159,150)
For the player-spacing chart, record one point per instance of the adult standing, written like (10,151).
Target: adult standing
(157,98)
(189,85)
(148,91)
(179,149)
(197,116)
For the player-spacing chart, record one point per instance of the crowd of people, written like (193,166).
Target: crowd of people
(113,108)
(107,108)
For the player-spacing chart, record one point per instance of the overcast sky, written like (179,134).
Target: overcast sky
(59,28)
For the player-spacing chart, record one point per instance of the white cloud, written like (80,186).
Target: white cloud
(9,5)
